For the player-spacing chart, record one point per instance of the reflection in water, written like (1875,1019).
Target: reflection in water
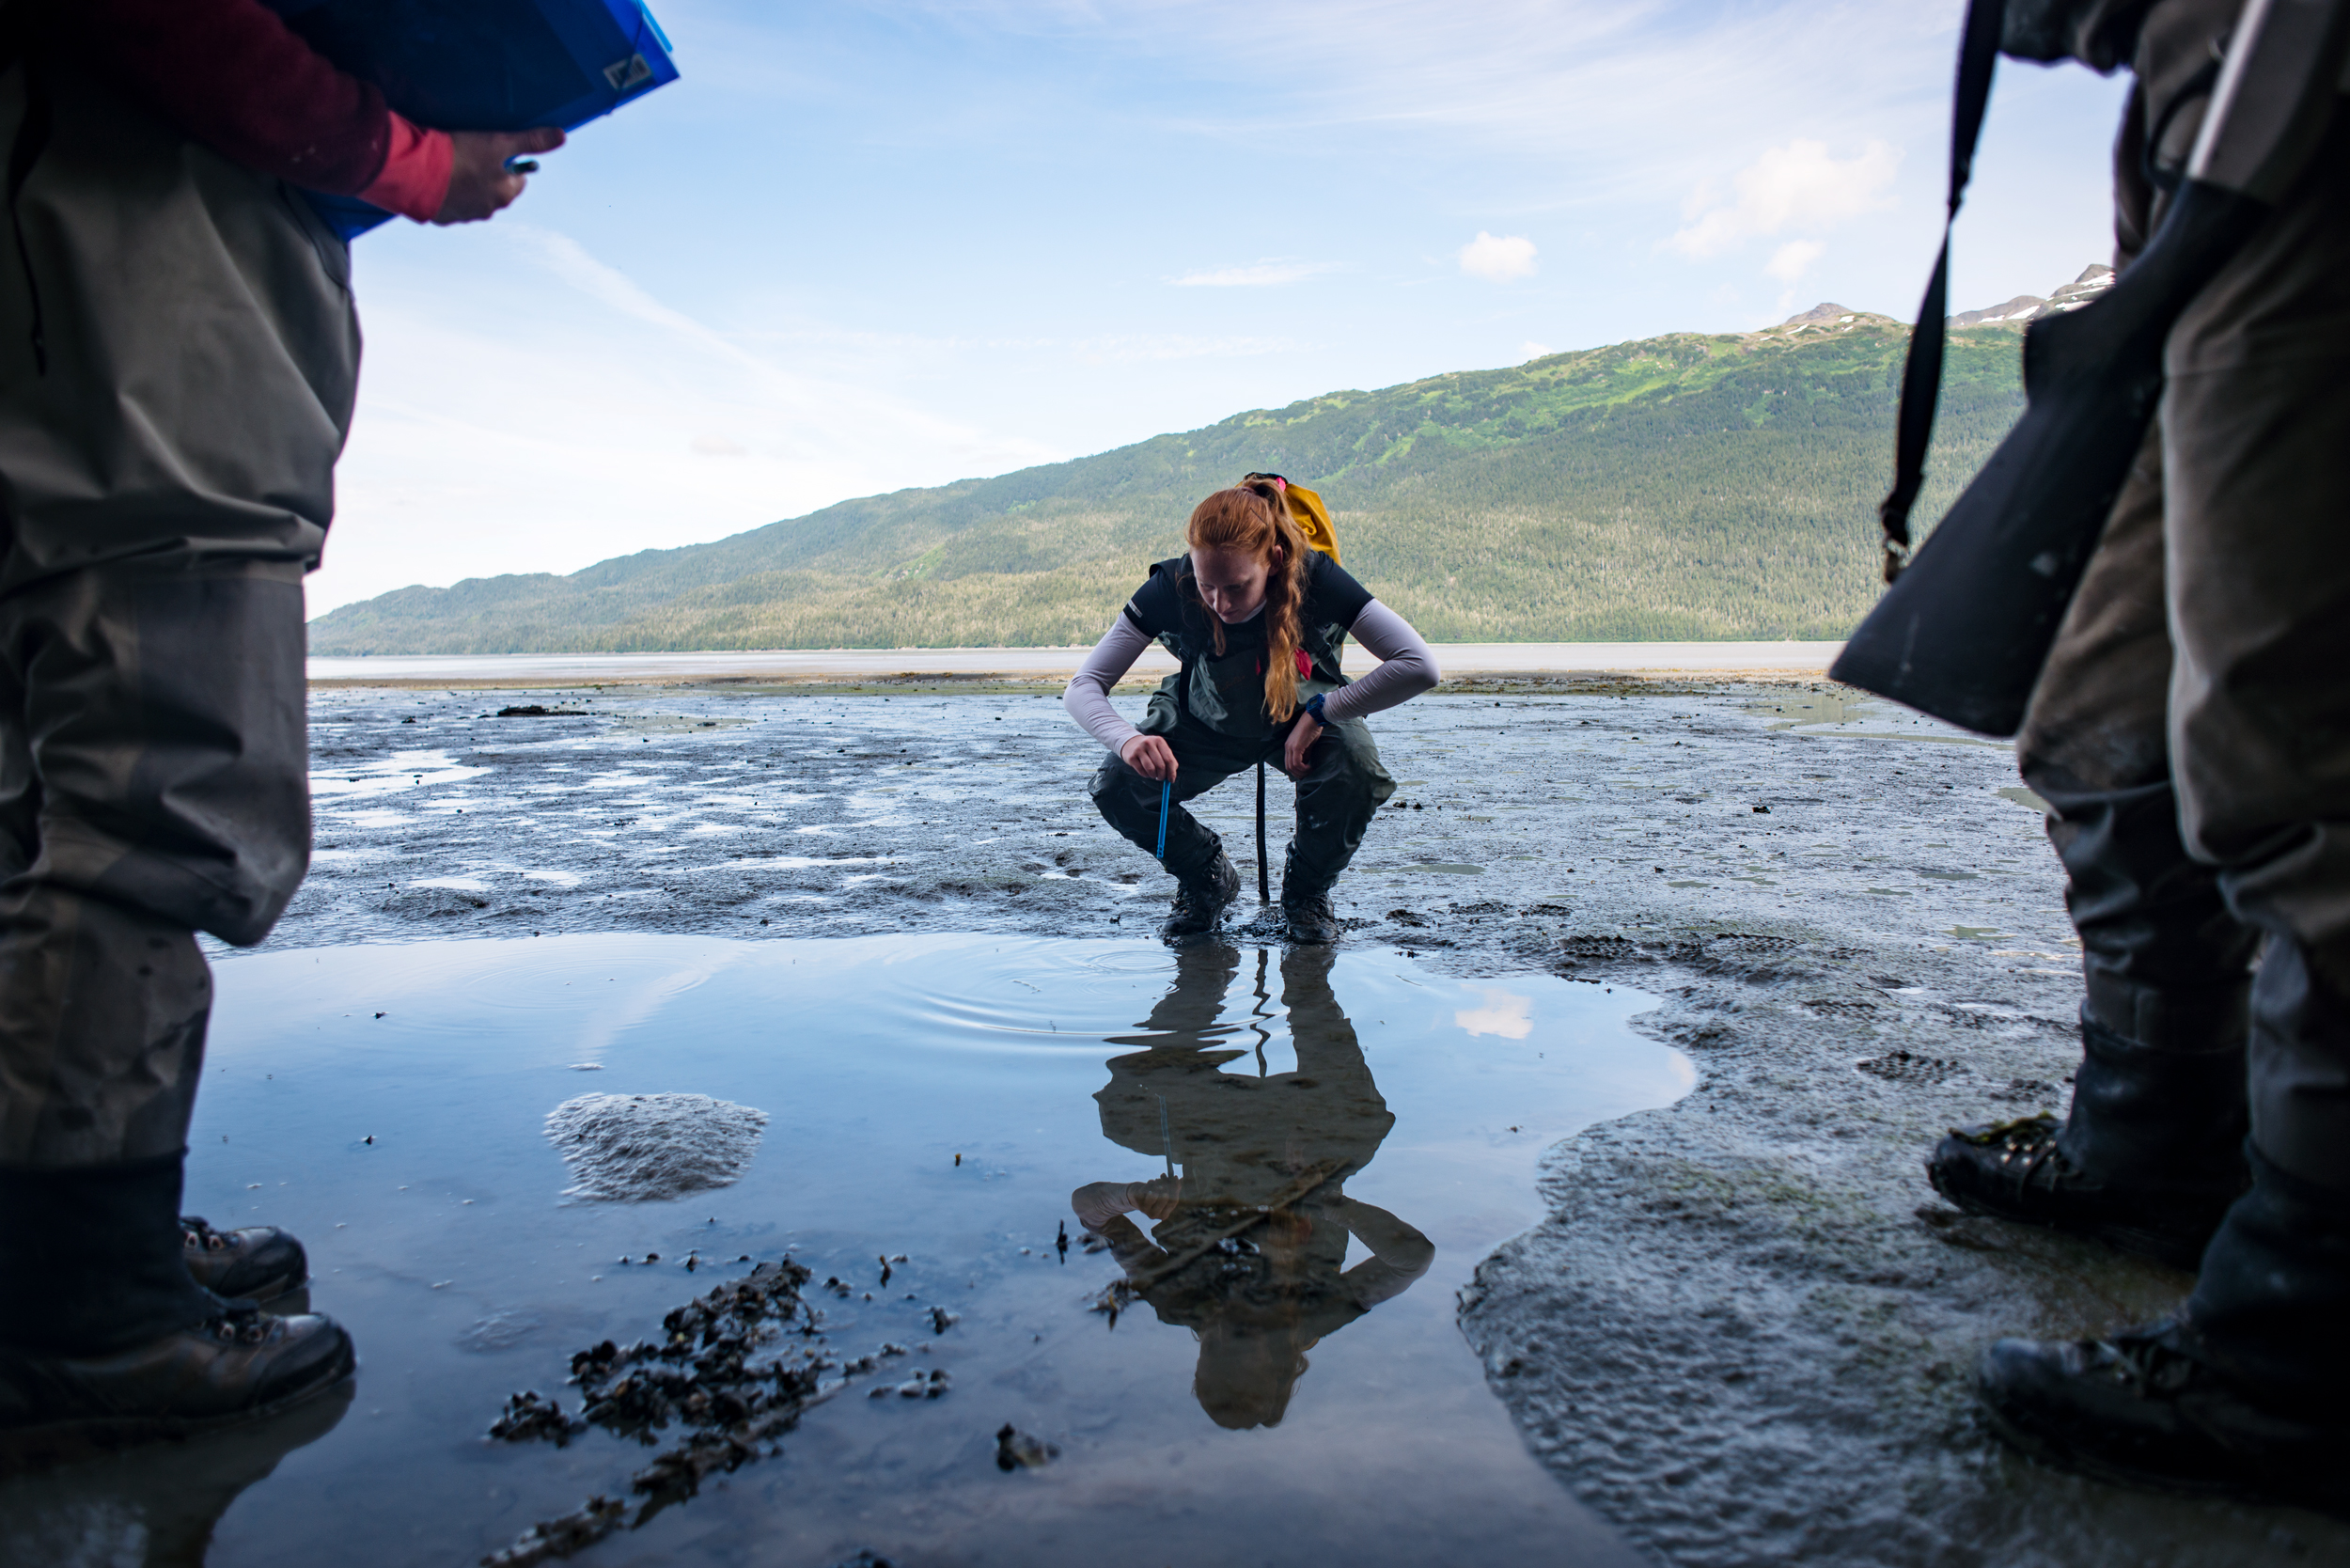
(1248,1245)
(894,1052)
(154,1506)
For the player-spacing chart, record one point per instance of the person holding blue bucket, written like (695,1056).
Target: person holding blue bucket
(179,364)
(1256,611)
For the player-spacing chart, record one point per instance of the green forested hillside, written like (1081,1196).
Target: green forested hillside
(1687,488)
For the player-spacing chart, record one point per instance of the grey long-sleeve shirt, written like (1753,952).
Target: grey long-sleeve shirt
(1406,670)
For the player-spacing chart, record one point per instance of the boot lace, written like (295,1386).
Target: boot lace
(194,1231)
(242,1327)
(2027,1152)
(2148,1364)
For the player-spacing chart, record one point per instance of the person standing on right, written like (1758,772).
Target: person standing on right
(2191,736)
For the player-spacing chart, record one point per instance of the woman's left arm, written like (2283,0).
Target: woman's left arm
(1406,668)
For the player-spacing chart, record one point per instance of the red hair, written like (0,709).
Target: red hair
(1252,519)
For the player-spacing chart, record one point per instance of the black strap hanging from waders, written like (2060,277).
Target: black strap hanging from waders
(1964,635)
(1265,874)
(1922,377)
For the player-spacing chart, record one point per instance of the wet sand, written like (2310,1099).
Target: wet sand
(1742,1332)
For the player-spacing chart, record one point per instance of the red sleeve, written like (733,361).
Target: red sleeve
(233,76)
(416,175)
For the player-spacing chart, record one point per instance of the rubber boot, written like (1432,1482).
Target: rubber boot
(1305,905)
(2248,1394)
(2147,1161)
(91,1257)
(2149,1408)
(2273,1304)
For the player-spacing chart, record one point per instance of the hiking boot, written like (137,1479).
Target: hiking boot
(94,1260)
(1305,905)
(2014,1170)
(2140,1410)
(1202,899)
(1311,919)
(237,1366)
(2147,1161)
(255,1264)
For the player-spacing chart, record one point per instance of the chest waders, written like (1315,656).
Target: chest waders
(1214,690)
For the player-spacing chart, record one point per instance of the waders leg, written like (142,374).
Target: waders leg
(1264,872)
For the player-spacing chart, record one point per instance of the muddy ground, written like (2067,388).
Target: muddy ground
(1744,1334)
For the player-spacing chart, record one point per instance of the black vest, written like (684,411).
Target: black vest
(1225,691)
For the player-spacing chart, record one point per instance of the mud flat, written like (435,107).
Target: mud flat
(1741,1333)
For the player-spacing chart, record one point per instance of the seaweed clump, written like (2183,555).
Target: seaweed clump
(713,1373)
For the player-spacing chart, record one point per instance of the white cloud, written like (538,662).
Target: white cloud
(1261,275)
(1793,260)
(1498,259)
(715,445)
(1799,183)
(1572,81)
(1505,1014)
(1532,349)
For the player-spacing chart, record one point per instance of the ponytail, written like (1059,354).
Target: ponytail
(1253,518)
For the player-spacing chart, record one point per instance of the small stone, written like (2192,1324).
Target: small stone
(1016,1449)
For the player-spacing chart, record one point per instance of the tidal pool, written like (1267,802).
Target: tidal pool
(1298,1393)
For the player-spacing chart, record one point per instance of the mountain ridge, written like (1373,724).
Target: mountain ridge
(1691,486)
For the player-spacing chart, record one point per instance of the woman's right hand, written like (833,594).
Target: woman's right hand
(1148,756)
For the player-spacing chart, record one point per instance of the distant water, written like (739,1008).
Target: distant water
(525,669)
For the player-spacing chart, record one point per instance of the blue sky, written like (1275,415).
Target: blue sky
(861,247)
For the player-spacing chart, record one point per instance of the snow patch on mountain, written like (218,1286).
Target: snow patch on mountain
(1828,317)
(2032,308)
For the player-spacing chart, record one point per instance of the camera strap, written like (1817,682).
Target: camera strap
(1921,376)
(2271,103)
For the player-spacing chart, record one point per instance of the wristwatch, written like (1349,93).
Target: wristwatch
(1313,706)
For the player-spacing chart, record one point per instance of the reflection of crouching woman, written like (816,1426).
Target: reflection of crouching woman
(1257,618)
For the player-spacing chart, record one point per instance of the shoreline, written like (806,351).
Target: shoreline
(1466,665)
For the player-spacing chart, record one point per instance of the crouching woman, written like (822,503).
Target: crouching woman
(1255,619)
